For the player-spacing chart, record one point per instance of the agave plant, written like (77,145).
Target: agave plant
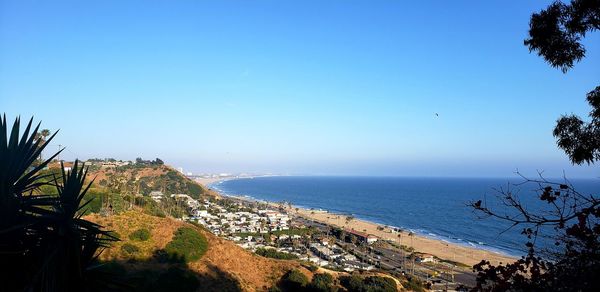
(45,245)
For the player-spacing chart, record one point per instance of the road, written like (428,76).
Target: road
(396,260)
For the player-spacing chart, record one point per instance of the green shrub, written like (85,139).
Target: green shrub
(194,190)
(368,284)
(162,256)
(99,196)
(311,267)
(130,249)
(152,208)
(381,283)
(294,280)
(141,234)
(352,283)
(272,253)
(96,196)
(188,244)
(414,285)
(322,282)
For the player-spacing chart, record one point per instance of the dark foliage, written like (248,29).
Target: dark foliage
(272,253)
(581,140)
(44,243)
(162,256)
(141,234)
(556,32)
(141,162)
(357,283)
(176,279)
(294,280)
(574,263)
(414,284)
(322,283)
(130,249)
(153,208)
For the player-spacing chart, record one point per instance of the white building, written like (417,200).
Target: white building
(157,195)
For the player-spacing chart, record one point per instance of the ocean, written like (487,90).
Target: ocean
(432,207)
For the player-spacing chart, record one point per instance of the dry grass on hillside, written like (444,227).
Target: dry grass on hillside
(149,171)
(223,260)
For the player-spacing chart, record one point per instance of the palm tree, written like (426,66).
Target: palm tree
(412,235)
(42,135)
(44,243)
(349,218)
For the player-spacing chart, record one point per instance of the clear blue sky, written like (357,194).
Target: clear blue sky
(304,87)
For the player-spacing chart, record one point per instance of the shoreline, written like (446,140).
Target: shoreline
(446,250)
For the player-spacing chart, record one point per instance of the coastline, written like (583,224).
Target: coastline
(423,244)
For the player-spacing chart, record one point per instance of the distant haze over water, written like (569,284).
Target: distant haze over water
(434,207)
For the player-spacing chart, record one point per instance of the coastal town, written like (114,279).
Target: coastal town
(271,230)
(299,146)
(278,230)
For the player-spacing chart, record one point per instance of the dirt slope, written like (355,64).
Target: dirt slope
(224,261)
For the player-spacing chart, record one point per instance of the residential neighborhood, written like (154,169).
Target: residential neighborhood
(260,226)
(267,229)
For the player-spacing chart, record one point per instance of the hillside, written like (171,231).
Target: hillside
(143,179)
(117,188)
(148,229)
(224,267)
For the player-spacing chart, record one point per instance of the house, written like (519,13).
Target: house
(321,251)
(426,258)
(156,195)
(361,236)
(200,213)
(371,239)
(349,257)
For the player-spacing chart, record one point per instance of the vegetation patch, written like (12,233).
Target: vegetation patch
(152,208)
(414,285)
(272,253)
(370,283)
(129,249)
(458,264)
(294,280)
(322,282)
(141,234)
(311,267)
(187,244)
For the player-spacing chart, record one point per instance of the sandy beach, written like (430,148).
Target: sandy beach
(441,249)
(438,248)
(206,181)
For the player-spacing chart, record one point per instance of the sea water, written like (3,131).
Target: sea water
(432,207)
